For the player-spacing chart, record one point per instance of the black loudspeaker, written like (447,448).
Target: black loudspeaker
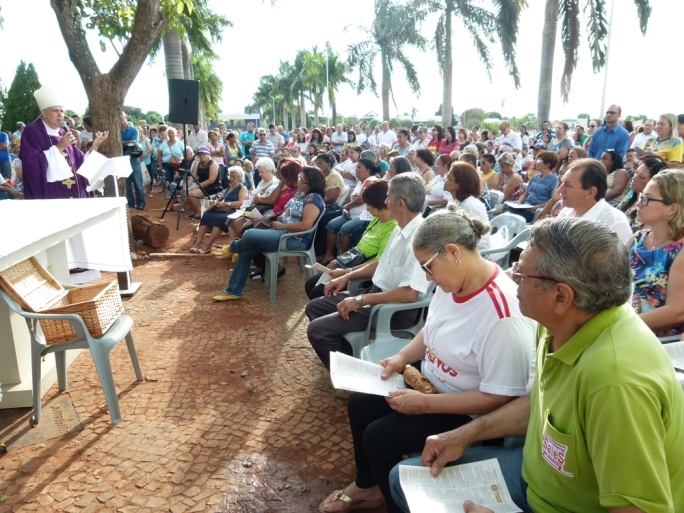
(183,101)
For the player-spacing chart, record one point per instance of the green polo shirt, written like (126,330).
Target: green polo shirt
(606,422)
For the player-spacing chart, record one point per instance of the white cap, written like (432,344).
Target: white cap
(48,96)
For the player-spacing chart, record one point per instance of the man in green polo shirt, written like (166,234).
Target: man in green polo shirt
(605,418)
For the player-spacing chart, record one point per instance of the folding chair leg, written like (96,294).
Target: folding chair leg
(134,356)
(104,371)
(60,363)
(35,378)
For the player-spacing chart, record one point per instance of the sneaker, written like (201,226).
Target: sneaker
(226,297)
(226,251)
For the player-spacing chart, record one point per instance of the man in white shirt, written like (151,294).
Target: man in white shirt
(197,138)
(20,128)
(277,140)
(296,153)
(397,278)
(386,136)
(422,141)
(512,139)
(339,138)
(348,168)
(360,135)
(583,189)
(647,138)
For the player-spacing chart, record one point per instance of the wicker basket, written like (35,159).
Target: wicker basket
(30,285)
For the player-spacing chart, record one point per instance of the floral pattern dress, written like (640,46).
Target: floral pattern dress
(651,272)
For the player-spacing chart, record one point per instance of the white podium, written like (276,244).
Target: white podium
(62,234)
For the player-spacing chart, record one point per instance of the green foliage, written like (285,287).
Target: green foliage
(472,117)
(3,98)
(20,105)
(152,117)
(394,27)
(584,116)
(70,113)
(494,114)
(211,86)
(528,120)
(492,127)
(395,122)
(374,122)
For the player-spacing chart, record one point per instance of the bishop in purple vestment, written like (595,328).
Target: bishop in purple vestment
(49,154)
(34,142)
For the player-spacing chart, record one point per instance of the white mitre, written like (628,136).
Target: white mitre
(48,96)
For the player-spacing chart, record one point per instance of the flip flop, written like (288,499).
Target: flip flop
(353,504)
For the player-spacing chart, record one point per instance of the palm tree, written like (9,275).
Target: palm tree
(314,78)
(284,87)
(394,27)
(481,24)
(199,31)
(597,30)
(337,74)
(298,83)
(265,96)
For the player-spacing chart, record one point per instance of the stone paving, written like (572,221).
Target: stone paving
(235,414)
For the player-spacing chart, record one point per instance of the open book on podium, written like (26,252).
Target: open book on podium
(96,167)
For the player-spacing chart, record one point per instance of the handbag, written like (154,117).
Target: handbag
(174,162)
(351,258)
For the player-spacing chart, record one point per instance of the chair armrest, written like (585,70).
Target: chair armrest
(386,311)
(75,320)
(669,339)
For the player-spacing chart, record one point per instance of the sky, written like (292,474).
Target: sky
(642,78)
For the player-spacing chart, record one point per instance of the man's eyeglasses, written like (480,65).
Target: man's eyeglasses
(425,267)
(645,200)
(519,277)
(611,112)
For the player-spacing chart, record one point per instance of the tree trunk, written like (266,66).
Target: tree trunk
(316,106)
(285,117)
(173,59)
(302,110)
(334,113)
(385,89)
(447,71)
(548,45)
(152,233)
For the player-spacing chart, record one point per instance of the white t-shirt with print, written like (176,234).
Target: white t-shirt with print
(480,342)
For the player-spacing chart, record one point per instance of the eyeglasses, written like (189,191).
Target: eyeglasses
(611,112)
(425,267)
(519,277)
(645,200)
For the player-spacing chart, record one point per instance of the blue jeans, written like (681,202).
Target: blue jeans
(510,460)
(169,171)
(253,243)
(135,180)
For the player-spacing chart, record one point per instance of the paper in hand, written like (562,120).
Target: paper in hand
(355,375)
(676,353)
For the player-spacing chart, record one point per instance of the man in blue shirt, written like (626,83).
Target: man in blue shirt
(5,164)
(610,136)
(135,179)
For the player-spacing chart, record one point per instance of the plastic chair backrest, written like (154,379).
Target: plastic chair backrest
(495,198)
(514,223)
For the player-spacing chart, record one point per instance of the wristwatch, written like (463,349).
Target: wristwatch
(359,299)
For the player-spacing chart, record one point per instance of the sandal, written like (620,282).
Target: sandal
(202,251)
(194,250)
(353,503)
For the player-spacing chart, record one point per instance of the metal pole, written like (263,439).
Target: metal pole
(327,84)
(605,69)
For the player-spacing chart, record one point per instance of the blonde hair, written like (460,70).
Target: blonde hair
(249,166)
(671,185)
(672,120)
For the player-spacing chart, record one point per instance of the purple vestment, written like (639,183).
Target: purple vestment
(34,141)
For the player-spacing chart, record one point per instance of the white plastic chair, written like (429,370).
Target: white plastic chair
(383,348)
(495,199)
(100,347)
(504,262)
(381,318)
(272,258)
(513,222)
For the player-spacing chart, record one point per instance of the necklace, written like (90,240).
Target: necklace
(655,246)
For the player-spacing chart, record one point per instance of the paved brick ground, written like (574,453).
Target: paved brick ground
(274,441)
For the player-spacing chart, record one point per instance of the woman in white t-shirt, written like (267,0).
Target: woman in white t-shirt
(435,188)
(477,351)
(464,186)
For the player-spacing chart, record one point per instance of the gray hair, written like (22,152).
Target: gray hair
(587,256)
(451,225)
(409,187)
(370,155)
(238,171)
(472,149)
(265,163)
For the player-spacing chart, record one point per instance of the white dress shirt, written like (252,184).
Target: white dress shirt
(398,266)
(608,215)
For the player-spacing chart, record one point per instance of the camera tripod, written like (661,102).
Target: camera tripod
(182,186)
